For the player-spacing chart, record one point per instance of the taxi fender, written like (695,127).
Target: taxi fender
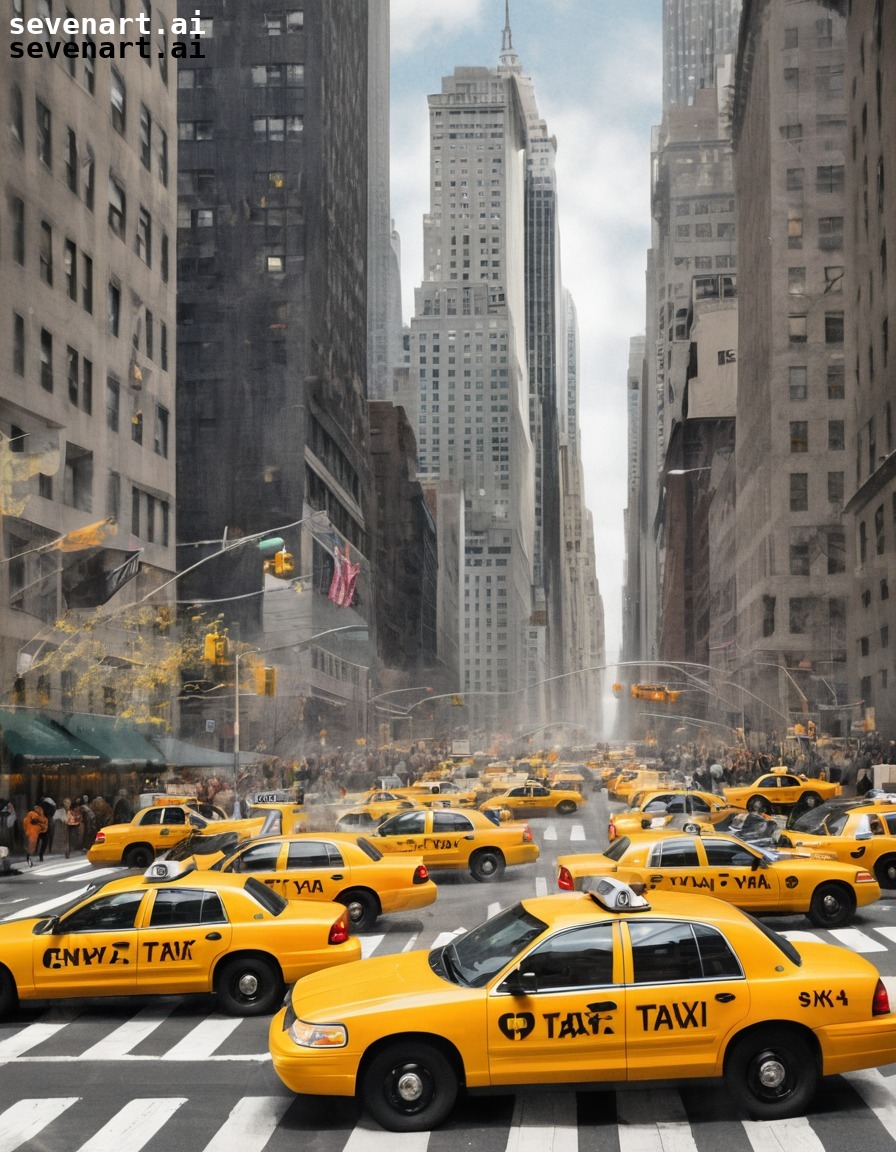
(739,1032)
(444,1045)
(241,953)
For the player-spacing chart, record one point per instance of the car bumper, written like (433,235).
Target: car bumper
(309,960)
(311,1071)
(862,1044)
(102,854)
(521,854)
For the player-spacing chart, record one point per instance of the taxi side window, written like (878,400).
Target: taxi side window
(768,782)
(175,907)
(891,823)
(540,790)
(836,824)
(450,822)
(174,816)
(663,952)
(152,816)
(716,956)
(106,913)
(789,782)
(259,858)
(875,825)
(581,958)
(518,792)
(696,804)
(407,824)
(313,854)
(657,805)
(675,854)
(724,854)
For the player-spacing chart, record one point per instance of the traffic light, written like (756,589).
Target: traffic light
(209,649)
(222,649)
(282,563)
(457,701)
(657,693)
(265,681)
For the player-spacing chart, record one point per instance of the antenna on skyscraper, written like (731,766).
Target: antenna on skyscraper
(507,41)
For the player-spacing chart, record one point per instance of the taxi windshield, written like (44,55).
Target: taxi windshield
(475,958)
(825,820)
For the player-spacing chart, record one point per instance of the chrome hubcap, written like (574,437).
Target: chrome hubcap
(410,1086)
(772,1074)
(248,984)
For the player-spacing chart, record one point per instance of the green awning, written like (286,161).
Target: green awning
(31,737)
(117,741)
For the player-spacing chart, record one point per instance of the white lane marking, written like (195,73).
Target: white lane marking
(887,933)
(26,1118)
(544,1123)
(796,936)
(129,1034)
(134,1125)
(875,1090)
(577,832)
(795,1135)
(640,1132)
(369,944)
(13,1047)
(411,944)
(856,940)
(365,1139)
(61,867)
(94,875)
(550,833)
(202,1040)
(250,1125)
(46,906)
(446,937)
(541,886)
(493,910)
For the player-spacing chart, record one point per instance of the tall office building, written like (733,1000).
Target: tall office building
(87,376)
(696,34)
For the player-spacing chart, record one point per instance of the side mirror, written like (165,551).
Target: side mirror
(519,983)
(865,835)
(48,927)
(758,862)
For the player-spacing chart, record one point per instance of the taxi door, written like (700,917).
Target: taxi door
(540,798)
(674,866)
(569,1026)
(738,873)
(790,789)
(453,837)
(685,991)
(185,932)
(404,833)
(313,869)
(94,950)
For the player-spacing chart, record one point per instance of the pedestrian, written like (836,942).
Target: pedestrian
(102,811)
(88,824)
(72,819)
(35,828)
(49,806)
(57,828)
(123,810)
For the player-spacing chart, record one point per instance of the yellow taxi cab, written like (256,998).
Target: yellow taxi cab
(780,789)
(630,784)
(760,880)
(173,930)
(338,867)
(380,803)
(154,829)
(459,840)
(597,988)
(534,799)
(293,817)
(441,793)
(855,831)
(568,779)
(654,808)
(203,807)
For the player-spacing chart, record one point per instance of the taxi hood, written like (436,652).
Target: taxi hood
(333,994)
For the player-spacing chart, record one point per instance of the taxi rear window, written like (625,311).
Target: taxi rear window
(618,848)
(371,849)
(778,940)
(270,900)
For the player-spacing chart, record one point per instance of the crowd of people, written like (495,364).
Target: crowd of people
(68,827)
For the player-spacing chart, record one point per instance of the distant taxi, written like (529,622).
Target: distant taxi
(440,793)
(779,790)
(861,831)
(599,988)
(533,799)
(653,809)
(380,803)
(152,830)
(458,840)
(173,930)
(760,880)
(334,866)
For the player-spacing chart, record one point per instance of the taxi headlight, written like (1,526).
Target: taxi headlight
(318,1035)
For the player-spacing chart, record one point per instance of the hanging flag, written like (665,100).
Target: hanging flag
(96,590)
(16,468)
(351,579)
(90,536)
(337,584)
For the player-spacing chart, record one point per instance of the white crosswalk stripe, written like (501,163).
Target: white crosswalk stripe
(878,1093)
(371,1139)
(887,933)
(641,1131)
(249,1126)
(795,1135)
(541,886)
(550,832)
(134,1125)
(856,940)
(30,1037)
(544,1123)
(24,1120)
(369,944)
(577,832)
(128,1035)
(202,1041)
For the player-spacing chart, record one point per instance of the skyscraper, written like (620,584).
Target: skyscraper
(696,34)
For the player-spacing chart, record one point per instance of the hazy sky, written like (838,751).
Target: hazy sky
(597,68)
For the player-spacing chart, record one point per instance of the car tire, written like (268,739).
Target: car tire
(810,800)
(566,807)
(832,906)
(9,994)
(759,804)
(772,1073)
(248,986)
(409,1087)
(885,871)
(363,908)
(138,856)
(486,865)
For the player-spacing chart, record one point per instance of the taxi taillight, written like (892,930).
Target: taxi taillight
(565,880)
(611,830)
(880,1005)
(100,838)
(339,931)
(527,835)
(420,874)
(864,878)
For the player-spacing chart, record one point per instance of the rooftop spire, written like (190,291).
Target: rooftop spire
(509,58)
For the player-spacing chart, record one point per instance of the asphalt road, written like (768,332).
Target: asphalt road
(170,1073)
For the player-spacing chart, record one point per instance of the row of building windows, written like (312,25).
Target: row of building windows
(799,436)
(798,328)
(880,535)
(799,490)
(830,232)
(798,382)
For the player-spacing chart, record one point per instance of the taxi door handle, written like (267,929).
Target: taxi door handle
(120,944)
(656,879)
(164,832)
(725,997)
(469,836)
(337,876)
(213,936)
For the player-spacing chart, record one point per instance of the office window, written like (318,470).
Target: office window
(835,487)
(89,67)
(118,98)
(163,345)
(77,484)
(797,328)
(863,545)
(44,135)
(137,427)
(113,495)
(46,253)
(46,360)
(833,278)
(799,436)
(145,137)
(164,257)
(880,539)
(17,114)
(833,327)
(72,366)
(144,236)
(794,232)
(18,344)
(836,549)
(113,301)
(796,281)
(799,383)
(829,178)
(799,614)
(799,558)
(836,385)
(86,283)
(799,491)
(113,402)
(768,615)
(71,162)
(195,130)
(88,166)
(163,157)
(117,208)
(70,268)
(160,439)
(836,436)
(830,233)
(17,212)
(795,179)
(150,335)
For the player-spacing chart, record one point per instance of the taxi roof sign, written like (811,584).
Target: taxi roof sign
(615,896)
(162,870)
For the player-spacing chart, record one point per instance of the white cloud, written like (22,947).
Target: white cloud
(416,23)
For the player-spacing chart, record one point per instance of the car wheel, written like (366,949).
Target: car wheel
(811,800)
(832,905)
(363,908)
(487,864)
(885,871)
(248,986)
(759,804)
(772,1074)
(409,1087)
(9,994)
(566,807)
(139,856)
